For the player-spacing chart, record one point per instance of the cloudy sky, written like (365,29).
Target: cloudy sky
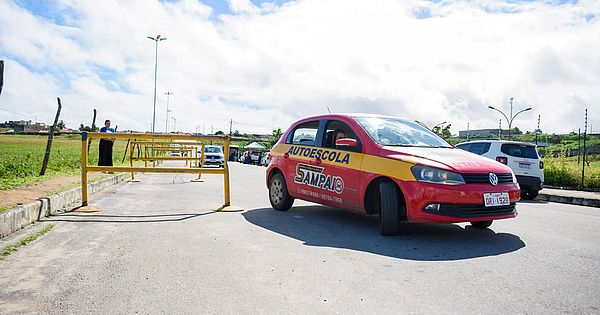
(267,63)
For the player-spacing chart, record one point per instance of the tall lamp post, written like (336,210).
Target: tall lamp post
(156,39)
(512,117)
(168,111)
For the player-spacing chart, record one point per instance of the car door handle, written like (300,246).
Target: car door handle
(286,155)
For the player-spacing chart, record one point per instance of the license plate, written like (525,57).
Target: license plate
(525,165)
(496,199)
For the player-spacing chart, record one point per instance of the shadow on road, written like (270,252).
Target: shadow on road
(331,227)
(95,218)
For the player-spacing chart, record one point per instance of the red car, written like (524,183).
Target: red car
(385,165)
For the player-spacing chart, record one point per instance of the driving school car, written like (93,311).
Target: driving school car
(388,166)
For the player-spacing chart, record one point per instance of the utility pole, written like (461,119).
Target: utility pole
(468,130)
(212,131)
(578,146)
(230,126)
(583,159)
(167,117)
(511,108)
(157,39)
(538,129)
(500,129)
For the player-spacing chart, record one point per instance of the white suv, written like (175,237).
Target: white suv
(213,155)
(521,157)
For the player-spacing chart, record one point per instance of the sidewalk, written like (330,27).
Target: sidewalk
(583,198)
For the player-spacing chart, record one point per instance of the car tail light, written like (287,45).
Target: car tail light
(502,159)
(541,165)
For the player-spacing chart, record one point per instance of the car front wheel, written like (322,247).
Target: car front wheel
(278,194)
(389,212)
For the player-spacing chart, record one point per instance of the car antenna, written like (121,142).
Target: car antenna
(328,109)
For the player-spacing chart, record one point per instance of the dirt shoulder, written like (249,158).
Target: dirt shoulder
(26,194)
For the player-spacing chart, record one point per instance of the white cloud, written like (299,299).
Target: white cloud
(265,67)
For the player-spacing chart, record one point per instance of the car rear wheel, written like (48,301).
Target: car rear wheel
(389,212)
(529,194)
(278,194)
(481,224)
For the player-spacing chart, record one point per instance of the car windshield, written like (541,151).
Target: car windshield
(213,150)
(399,132)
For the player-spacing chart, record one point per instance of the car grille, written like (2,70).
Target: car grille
(473,211)
(485,178)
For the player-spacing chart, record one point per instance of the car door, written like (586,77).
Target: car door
(299,172)
(338,167)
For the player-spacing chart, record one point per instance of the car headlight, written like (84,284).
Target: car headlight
(437,176)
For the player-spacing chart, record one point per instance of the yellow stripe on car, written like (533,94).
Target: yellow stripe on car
(398,169)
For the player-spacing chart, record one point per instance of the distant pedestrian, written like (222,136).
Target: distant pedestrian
(106,146)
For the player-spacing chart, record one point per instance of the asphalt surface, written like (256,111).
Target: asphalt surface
(158,248)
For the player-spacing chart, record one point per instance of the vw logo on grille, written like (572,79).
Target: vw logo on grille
(493,179)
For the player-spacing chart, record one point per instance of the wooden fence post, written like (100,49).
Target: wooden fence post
(93,130)
(1,75)
(50,137)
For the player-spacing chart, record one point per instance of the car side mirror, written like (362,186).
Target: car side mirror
(346,142)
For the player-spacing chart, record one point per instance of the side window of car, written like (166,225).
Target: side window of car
(480,148)
(335,129)
(304,134)
(465,146)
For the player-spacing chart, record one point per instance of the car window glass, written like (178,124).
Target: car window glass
(479,148)
(213,150)
(519,150)
(304,134)
(465,146)
(399,132)
(340,129)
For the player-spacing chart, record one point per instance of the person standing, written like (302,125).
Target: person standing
(106,146)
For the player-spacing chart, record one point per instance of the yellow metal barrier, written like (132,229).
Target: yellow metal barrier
(159,146)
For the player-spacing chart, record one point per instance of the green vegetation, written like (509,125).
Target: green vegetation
(13,248)
(566,172)
(21,158)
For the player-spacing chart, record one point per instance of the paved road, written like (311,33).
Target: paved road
(158,248)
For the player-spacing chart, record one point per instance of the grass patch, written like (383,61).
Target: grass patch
(21,158)
(13,248)
(566,172)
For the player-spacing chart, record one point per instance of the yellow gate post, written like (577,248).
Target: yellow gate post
(226,193)
(84,180)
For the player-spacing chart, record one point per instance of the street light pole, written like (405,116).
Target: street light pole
(156,39)
(511,115)
(167,117)
(174,124)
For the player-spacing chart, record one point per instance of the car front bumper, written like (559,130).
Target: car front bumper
(460,203)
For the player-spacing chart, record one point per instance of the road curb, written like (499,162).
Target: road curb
(569,200)
(14,219)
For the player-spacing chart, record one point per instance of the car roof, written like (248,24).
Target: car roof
(499,141)
(348,115)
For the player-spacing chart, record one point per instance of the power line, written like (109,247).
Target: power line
(131,37)
(6,110)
